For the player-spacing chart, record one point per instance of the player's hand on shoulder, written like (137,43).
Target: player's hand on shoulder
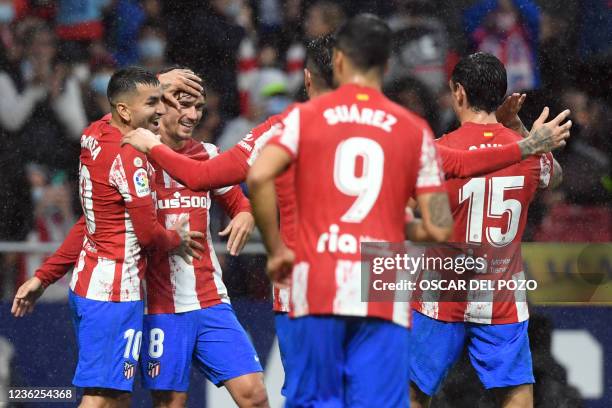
(280,265)
(547,136)
(190,247)
(179,80)
(238,231)
(141,139)
(26,297)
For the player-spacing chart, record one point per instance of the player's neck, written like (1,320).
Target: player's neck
(479,117)
(118,123)
(172,143)
(369,80)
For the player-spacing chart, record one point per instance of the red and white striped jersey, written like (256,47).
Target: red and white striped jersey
(491,211)
(172,285)
(112,181)
(250,147)
(358,158)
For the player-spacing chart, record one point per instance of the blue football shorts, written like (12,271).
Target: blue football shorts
(211,338)
(337,361)
(109,337)
(499,352)
(281,321)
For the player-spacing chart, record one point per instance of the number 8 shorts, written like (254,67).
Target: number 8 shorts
(109,336)
(211,338)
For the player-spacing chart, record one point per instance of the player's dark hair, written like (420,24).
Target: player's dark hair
(126,80)
(319,61)
(178,66)
(366,40)
(484,79)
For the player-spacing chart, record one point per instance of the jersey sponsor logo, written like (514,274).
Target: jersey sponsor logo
(129,369)
(333,241)
(90,143)
(141,182)
(248,137)
(179,201)
(153,368)
(363,116)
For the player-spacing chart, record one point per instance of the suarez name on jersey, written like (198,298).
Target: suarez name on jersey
(358,158)
(491,210)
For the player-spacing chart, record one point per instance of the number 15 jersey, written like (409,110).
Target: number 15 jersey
(358,159)
(491,211)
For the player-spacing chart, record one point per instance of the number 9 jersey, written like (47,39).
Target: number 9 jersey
(358,158)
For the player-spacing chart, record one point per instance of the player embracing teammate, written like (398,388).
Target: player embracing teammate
(354,175)
(489,211)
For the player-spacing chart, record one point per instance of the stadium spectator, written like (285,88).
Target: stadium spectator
(508,29)
(420,44)
(219,35)
(97,104)
(417,97)
(152,48)
(322,18)
(587,156)
(124,26)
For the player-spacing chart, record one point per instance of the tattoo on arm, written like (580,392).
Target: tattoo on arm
(439,210)
(541,140)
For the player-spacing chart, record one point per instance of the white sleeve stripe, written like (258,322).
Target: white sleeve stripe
(430,174)
(545,171)
(290,135)
(260,142)
(211,149)
(222,190)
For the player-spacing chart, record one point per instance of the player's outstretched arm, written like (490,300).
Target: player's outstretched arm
(272,161)
(543,138)
(227,169)
(437,220)
(54,268)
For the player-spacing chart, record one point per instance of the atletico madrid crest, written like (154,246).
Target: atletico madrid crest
(129,369)
(153,368)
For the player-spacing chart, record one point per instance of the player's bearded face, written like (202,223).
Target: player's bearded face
(147,108)
(180,123)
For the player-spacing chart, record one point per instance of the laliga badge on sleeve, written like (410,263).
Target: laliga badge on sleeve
(141,182)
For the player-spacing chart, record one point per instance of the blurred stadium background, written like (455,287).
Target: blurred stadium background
(56,58)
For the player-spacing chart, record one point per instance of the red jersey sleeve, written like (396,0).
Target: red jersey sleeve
(287,134)
(461,163)
(129,175)
(233,200)
(430,177)
(65,257)
(228,168)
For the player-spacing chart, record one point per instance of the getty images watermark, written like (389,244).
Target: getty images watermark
(443,273)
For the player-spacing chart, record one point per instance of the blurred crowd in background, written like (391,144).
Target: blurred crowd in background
(56,58)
